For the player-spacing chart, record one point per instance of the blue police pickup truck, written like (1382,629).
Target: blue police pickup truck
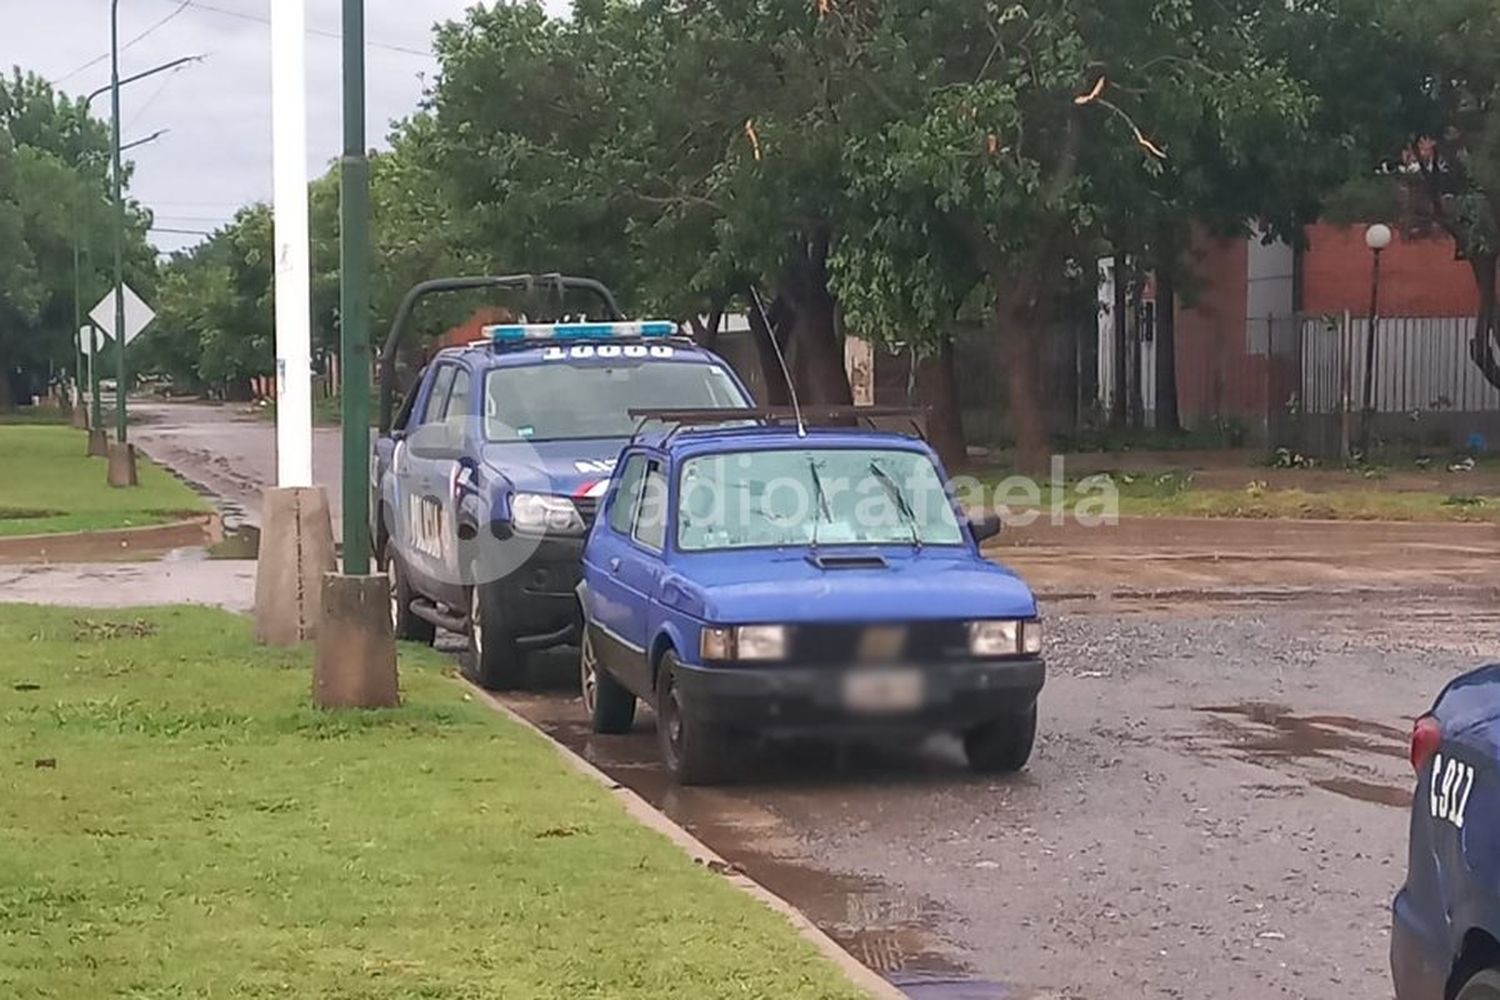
(1445,928)
(748,578)
(487,479)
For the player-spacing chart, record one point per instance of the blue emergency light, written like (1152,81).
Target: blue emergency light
(510,333)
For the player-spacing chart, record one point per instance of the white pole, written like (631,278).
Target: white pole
(293,267)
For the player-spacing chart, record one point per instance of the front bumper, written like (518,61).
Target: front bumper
(538,600)
(1419,964)
(956,695)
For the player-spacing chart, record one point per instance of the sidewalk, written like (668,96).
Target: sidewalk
(223,583)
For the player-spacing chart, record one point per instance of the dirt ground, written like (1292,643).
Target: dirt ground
(1217,805)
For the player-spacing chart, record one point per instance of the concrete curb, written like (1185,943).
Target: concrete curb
(85,546)
(654,819)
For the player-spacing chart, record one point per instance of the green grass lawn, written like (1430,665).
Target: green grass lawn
(48,485)
(1173,494)
(178,822)
(35,415)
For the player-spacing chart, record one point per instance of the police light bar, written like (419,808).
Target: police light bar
(510,333)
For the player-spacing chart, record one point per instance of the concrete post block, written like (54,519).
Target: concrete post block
(355,666)
(98,442)
(122,471)
(296,549)
(80,417)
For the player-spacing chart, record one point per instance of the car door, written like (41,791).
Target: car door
(641,567)
(610,605)
(457,467)
(422,466)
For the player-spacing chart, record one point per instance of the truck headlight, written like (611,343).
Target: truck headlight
(539,513)
(1005,638)
(744,642)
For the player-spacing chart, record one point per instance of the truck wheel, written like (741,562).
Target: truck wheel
(498,664)
(1002,744)
(611,706)
(404,624)
(1483,985)
(694,752)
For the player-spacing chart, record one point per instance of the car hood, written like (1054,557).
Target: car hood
(933,583)
(564,468)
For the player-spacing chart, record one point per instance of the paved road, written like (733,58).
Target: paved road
(1216,807)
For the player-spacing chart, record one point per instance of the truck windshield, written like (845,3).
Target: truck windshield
(560,401)
(820,496)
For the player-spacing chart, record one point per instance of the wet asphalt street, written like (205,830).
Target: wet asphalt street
(1217,805)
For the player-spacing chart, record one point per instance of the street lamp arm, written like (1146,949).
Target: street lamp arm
(145,139)
(164,67)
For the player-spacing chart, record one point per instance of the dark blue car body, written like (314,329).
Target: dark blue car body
(1446,918)
(647,604)
(444,488)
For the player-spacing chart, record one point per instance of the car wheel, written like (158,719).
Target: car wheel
(1002,744)
(404,624)
(1483,985)
(694,752)
(497,662)
(611,706)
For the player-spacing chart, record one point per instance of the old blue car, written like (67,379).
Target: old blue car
(750,577)
(1445,933)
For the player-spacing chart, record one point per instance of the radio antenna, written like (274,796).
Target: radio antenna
(791,390)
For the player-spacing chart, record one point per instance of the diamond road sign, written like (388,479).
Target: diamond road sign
(137,314)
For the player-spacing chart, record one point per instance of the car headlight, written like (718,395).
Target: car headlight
(1005,638)
(539,513)
(744,642)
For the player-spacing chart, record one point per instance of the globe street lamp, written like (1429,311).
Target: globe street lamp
(1377,238)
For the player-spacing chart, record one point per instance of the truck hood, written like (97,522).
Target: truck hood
(934,583)
(563,468)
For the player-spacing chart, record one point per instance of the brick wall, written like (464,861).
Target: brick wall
(1418,277)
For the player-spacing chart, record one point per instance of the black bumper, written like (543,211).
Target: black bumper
(956,695)
(538,601)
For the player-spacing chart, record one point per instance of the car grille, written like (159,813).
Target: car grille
(841,644)
(588,509)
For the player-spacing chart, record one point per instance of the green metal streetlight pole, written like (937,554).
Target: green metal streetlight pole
(114,101)
(78,234)
(354,297)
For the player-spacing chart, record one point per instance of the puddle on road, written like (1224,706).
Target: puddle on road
(241,543)
(1272,735)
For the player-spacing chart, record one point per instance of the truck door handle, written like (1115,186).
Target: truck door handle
(614,564)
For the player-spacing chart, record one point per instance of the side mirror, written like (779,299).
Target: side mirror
(987,526)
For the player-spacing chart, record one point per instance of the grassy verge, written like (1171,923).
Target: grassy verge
(49,485)
(1174,495)
(179,823)
(35,415)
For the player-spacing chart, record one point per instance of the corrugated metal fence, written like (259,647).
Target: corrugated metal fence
(1421,364)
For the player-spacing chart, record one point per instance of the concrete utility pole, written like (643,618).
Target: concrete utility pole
(121,455)
(355,665)
(296,547)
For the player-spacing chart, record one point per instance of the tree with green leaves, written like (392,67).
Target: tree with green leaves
(53,192)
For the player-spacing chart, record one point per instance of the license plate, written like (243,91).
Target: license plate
(872,691)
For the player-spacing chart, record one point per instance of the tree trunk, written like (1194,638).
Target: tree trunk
(768,337)
(1167,417)
(706,330)
(1019,336)
(937,391)
(819,372)
(1121,281)
(1487,324)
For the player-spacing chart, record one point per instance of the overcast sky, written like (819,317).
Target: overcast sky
(216,155)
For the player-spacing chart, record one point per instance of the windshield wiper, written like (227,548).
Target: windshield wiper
(902,507)
(817,481)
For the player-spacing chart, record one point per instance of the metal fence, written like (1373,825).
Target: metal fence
(1426,390)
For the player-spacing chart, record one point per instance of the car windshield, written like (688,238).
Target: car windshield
(822,496)
(561,400)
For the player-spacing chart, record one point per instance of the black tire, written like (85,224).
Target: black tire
(610,705)
(694,752)
(1482,985)
(1002,744)
(496,662)
(404,624)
